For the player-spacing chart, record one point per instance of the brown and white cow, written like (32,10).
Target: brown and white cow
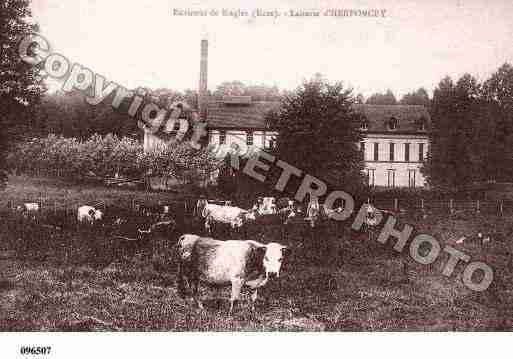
(223,263)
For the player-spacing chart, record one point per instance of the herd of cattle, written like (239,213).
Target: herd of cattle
(201,258)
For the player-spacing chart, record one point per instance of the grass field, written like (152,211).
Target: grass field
(70,282)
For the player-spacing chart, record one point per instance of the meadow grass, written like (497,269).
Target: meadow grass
(73,281)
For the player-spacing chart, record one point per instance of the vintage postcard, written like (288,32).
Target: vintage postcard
(272,166)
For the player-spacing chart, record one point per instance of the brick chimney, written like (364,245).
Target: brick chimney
(202,93)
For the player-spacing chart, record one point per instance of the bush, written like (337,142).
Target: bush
(107,156)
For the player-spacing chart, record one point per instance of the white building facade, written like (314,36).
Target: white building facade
(395,144)
(394,161)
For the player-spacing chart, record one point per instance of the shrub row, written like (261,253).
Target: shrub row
(106,156)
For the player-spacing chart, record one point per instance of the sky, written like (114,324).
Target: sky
(416,43)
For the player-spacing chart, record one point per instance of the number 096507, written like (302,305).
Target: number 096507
(34,350)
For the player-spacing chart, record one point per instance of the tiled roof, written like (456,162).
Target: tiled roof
(222,115)
(408,117)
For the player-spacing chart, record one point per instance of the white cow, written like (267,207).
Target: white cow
(29,207)
(88,214)
(265,205)
(234,216)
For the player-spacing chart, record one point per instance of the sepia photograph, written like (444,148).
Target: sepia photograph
(273,166)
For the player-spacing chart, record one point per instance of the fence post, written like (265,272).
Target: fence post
(478,207)
(451,206)
(396,205)
(500,207)
(422,204)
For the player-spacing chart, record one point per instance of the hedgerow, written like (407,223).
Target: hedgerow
(106,156)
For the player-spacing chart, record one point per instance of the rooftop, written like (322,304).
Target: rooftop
(377,118)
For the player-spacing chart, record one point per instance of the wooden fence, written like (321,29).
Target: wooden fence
(188,205)
(449,206)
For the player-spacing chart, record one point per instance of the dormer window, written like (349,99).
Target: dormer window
(392,123)
(364,124)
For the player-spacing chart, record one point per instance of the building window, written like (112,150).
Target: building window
(391,177)
(392,123)
(391,151)
(362,149)
(364,125)
(411,178)
(407,152)
(222,137)
(371,176)
(421,152)
(249,139)
(422,124)
(376,151)
(270,142)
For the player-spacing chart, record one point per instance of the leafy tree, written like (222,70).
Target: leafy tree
(468,141)
(360,99)
(387,98)
(20,85)
(229,88)
(257,92)
(319,133)
(418,97)
(498,90)
(191,97)
(448,160)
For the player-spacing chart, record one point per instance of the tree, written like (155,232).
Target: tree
(20,83)
(418,97)
(498,91)
(468,141)
(360,99)
(499,88)
(257,92)
(448,161)
(229,88)
(387,98)
(319,133)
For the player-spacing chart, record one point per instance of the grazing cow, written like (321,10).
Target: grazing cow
(169,225)
(223,263)
(479,237)
(29,207)
(88,214)
(234,216)
(330,213)
(265,205)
